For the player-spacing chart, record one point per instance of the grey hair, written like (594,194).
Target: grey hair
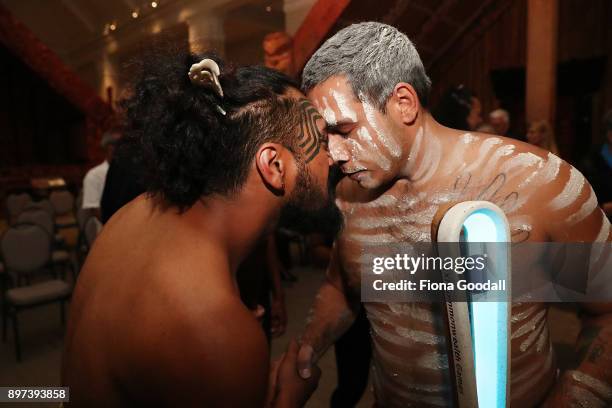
(500,113)
(374,57)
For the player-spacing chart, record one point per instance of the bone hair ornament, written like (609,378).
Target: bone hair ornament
(206,73)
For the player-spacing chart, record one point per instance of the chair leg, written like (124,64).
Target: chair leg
(16,335)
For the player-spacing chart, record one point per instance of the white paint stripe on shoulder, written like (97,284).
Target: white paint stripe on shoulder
(585,210)
(571,191)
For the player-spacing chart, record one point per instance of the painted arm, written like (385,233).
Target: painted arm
(331,315)
(589,381)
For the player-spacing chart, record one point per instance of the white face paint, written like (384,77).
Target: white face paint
(364,136)
(389,142)
(343,107)
(328,112)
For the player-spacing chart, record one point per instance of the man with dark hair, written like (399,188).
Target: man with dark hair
(403,170)
(156,318)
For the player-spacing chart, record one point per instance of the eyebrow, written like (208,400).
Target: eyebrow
(339,124)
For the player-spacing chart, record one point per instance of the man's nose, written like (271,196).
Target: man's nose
(337,149)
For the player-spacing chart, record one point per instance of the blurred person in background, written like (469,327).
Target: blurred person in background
(459,109)
(598,167)
(93,183)
(499,119)
(540,134)
(486,128)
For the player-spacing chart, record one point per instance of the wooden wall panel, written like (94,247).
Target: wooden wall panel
(501,46)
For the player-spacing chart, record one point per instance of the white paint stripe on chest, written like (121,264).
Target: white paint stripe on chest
(533,336)
(455,162)
(522,315)
(492,164)
(582,397)
(483,153)
(530,325)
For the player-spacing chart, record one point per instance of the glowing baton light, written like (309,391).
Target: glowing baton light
(480,355)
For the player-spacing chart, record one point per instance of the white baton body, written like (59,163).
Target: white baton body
(479,330)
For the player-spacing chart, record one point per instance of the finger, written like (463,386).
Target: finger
(272,379)
(292,349)
(304,361)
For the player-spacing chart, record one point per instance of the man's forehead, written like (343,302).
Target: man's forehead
(334,84)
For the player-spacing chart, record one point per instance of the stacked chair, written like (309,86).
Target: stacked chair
(63,204)
(26,250)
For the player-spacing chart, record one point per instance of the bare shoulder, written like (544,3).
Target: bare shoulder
(208,354)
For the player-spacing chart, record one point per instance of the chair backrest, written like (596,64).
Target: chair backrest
(93,226)
(25,248)
(15,203)
(41,205)
(82,215)
(39,217)
(62,200)
(78,203)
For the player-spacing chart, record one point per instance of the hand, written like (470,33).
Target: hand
(305,360)
(291,389)
(278,316)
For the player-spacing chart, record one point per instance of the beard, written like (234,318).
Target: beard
(309,209)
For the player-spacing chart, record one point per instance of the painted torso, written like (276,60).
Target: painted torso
(409,339)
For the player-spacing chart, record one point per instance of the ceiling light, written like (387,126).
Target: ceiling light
(135,14)
(112,26)
(154,4)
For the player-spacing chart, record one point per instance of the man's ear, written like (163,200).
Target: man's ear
(407,102)
(271,167)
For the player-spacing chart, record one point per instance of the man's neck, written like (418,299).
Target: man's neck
(234,224)
(417,146)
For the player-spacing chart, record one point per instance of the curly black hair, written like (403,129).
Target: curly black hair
(188,147)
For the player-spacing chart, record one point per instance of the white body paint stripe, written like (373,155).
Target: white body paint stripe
(604,390)
(343,106)
(570,192)
(585,210)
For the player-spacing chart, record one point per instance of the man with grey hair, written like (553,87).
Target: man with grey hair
(500,120)
(403,170)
